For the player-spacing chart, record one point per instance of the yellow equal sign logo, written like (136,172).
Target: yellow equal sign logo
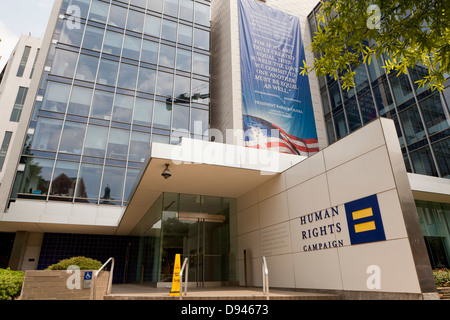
(365,226)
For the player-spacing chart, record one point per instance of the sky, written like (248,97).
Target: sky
(21,17)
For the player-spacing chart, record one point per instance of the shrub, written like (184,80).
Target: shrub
(10,283)
(81,262)
(442,277)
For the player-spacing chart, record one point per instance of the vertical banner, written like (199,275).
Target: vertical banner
(276,99)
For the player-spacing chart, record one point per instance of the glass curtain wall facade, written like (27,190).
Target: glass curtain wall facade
(119,75)
(421,115)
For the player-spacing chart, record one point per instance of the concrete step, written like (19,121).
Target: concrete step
(136,292)
(444,293)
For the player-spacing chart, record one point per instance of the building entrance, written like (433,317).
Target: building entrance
(204,254)
(200,228)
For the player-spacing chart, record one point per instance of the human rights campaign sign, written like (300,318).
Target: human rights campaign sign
(277,106)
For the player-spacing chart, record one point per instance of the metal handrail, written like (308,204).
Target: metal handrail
(265,274)
(108,288)
(185,265)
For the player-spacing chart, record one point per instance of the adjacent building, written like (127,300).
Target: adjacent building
(322,182)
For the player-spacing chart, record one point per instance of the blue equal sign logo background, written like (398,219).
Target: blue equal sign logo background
(364,220)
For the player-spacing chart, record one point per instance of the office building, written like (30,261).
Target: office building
(258,161)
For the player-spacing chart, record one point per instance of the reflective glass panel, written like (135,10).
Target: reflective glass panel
(135,21)
(423,162)
(87,68)
(80,101)
(139,146)
(367,106)
(202,14)
(184,58)
(162,115)
(155,5)
(199,121)
(96,138)
(185,34)
(131,47)
(113,43)
(412,125)
(117,16)
(93,38)
(127,76)
(186,9)
(152,25)
(47,134)
(171,7)
(180,120)
(164,84)
(182,90)
(434,114)
(72,138)
(102,104)
(88,185)
(442,152)
(99,11)
(200,91)
(107,72)
(353,118)
(56,97)
(201,64)
(167,56)
(132,176)
(339,122)
(82,7)
(64,179)
(70,34)
(143,111)
(201,39)
(169,30)
(375,68)
(401,88)
(64,63)
(112,184)
(383,98)
(118,144)
(146,81)
(149,52)
(37,176)
(123,108)
(335,95)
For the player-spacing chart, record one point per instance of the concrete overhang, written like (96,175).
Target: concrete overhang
(203,168)
(428,188)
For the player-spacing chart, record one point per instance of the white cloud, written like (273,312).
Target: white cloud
(7,45)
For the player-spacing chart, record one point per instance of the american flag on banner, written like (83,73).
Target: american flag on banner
(261,134)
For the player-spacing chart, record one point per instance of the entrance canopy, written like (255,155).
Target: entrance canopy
(202,168)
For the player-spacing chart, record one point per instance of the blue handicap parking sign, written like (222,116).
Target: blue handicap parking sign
(88,275)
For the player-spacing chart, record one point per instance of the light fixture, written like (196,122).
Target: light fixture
(166,173)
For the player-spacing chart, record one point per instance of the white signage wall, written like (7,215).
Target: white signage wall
(337,221)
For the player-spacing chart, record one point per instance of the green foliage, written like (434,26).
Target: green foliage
(10,283)
(408,32)
(81,262)
(442,277)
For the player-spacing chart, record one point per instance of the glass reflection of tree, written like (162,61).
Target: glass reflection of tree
(63,185)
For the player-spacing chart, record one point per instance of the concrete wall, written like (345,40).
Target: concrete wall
(273,221)
(10,87)
(52,285)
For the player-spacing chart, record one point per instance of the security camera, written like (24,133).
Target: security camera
(166,173)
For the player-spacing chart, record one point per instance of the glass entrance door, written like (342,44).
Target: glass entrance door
(203,247)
